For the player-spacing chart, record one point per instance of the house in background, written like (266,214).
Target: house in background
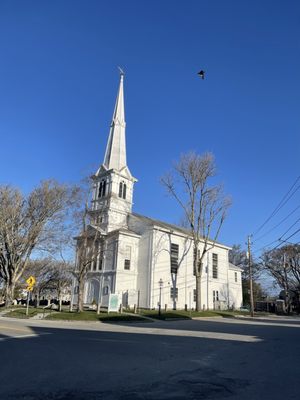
(145,261)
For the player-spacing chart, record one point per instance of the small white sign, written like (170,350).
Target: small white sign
(132,298)
(113,303)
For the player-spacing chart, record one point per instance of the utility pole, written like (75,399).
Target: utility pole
(250,278)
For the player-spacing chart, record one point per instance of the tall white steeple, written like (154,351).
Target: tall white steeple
(113,182)
(115,154)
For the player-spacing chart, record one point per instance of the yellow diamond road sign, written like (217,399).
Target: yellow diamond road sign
(31,281)
(29,288)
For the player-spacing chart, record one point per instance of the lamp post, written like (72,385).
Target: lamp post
(160,287)
(250,279)
(207,281)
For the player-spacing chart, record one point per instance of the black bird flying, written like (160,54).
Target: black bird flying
(201,74)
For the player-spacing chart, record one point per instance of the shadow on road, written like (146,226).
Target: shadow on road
(73,363)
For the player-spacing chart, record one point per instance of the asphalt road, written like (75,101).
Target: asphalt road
(198,359)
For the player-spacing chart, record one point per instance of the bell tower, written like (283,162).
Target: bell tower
(112,197)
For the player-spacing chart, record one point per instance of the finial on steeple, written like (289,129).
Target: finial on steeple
(122,73)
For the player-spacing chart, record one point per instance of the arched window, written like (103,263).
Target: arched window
(102,188)
(122,190)
(105,290)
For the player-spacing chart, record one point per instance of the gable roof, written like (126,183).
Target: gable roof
(235,267)
(166,225)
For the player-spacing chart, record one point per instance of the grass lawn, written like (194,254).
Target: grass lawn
(93,316)
(20,312)
(181,314)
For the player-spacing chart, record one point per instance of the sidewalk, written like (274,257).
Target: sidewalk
(273,317)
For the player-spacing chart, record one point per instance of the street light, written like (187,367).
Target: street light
(160,287)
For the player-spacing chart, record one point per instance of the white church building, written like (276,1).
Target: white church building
(136,253)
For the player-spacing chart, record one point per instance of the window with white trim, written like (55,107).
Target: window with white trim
(215,295)
(215,265)
(127,260)
(101,254)
(174,252)
(105,290)
(102,188)
(122,190)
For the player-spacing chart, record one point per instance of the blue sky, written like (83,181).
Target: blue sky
(59,79)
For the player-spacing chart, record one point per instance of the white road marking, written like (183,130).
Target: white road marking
(184,333)
(24,336)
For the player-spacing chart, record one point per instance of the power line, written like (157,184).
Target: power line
(282,202)
(284,241)
(280,240)
(276,226)
(263,247)
(289,229)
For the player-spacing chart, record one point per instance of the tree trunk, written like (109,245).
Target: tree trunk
(80,295)
(9,294)
(59,300)
(174,283)
(198,292)
(37,299)
(72,298)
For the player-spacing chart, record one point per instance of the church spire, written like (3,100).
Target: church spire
(115,154)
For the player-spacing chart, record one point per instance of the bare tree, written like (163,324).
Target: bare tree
(42,272)
(89,249)
(52,276)
(62,278)
(283,264)
(204,205)
(239,257)
(30,223)
(165,244)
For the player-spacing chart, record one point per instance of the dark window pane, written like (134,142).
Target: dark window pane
(174,257)
(105,290)
(100,190)
(126,264)
(215,266)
